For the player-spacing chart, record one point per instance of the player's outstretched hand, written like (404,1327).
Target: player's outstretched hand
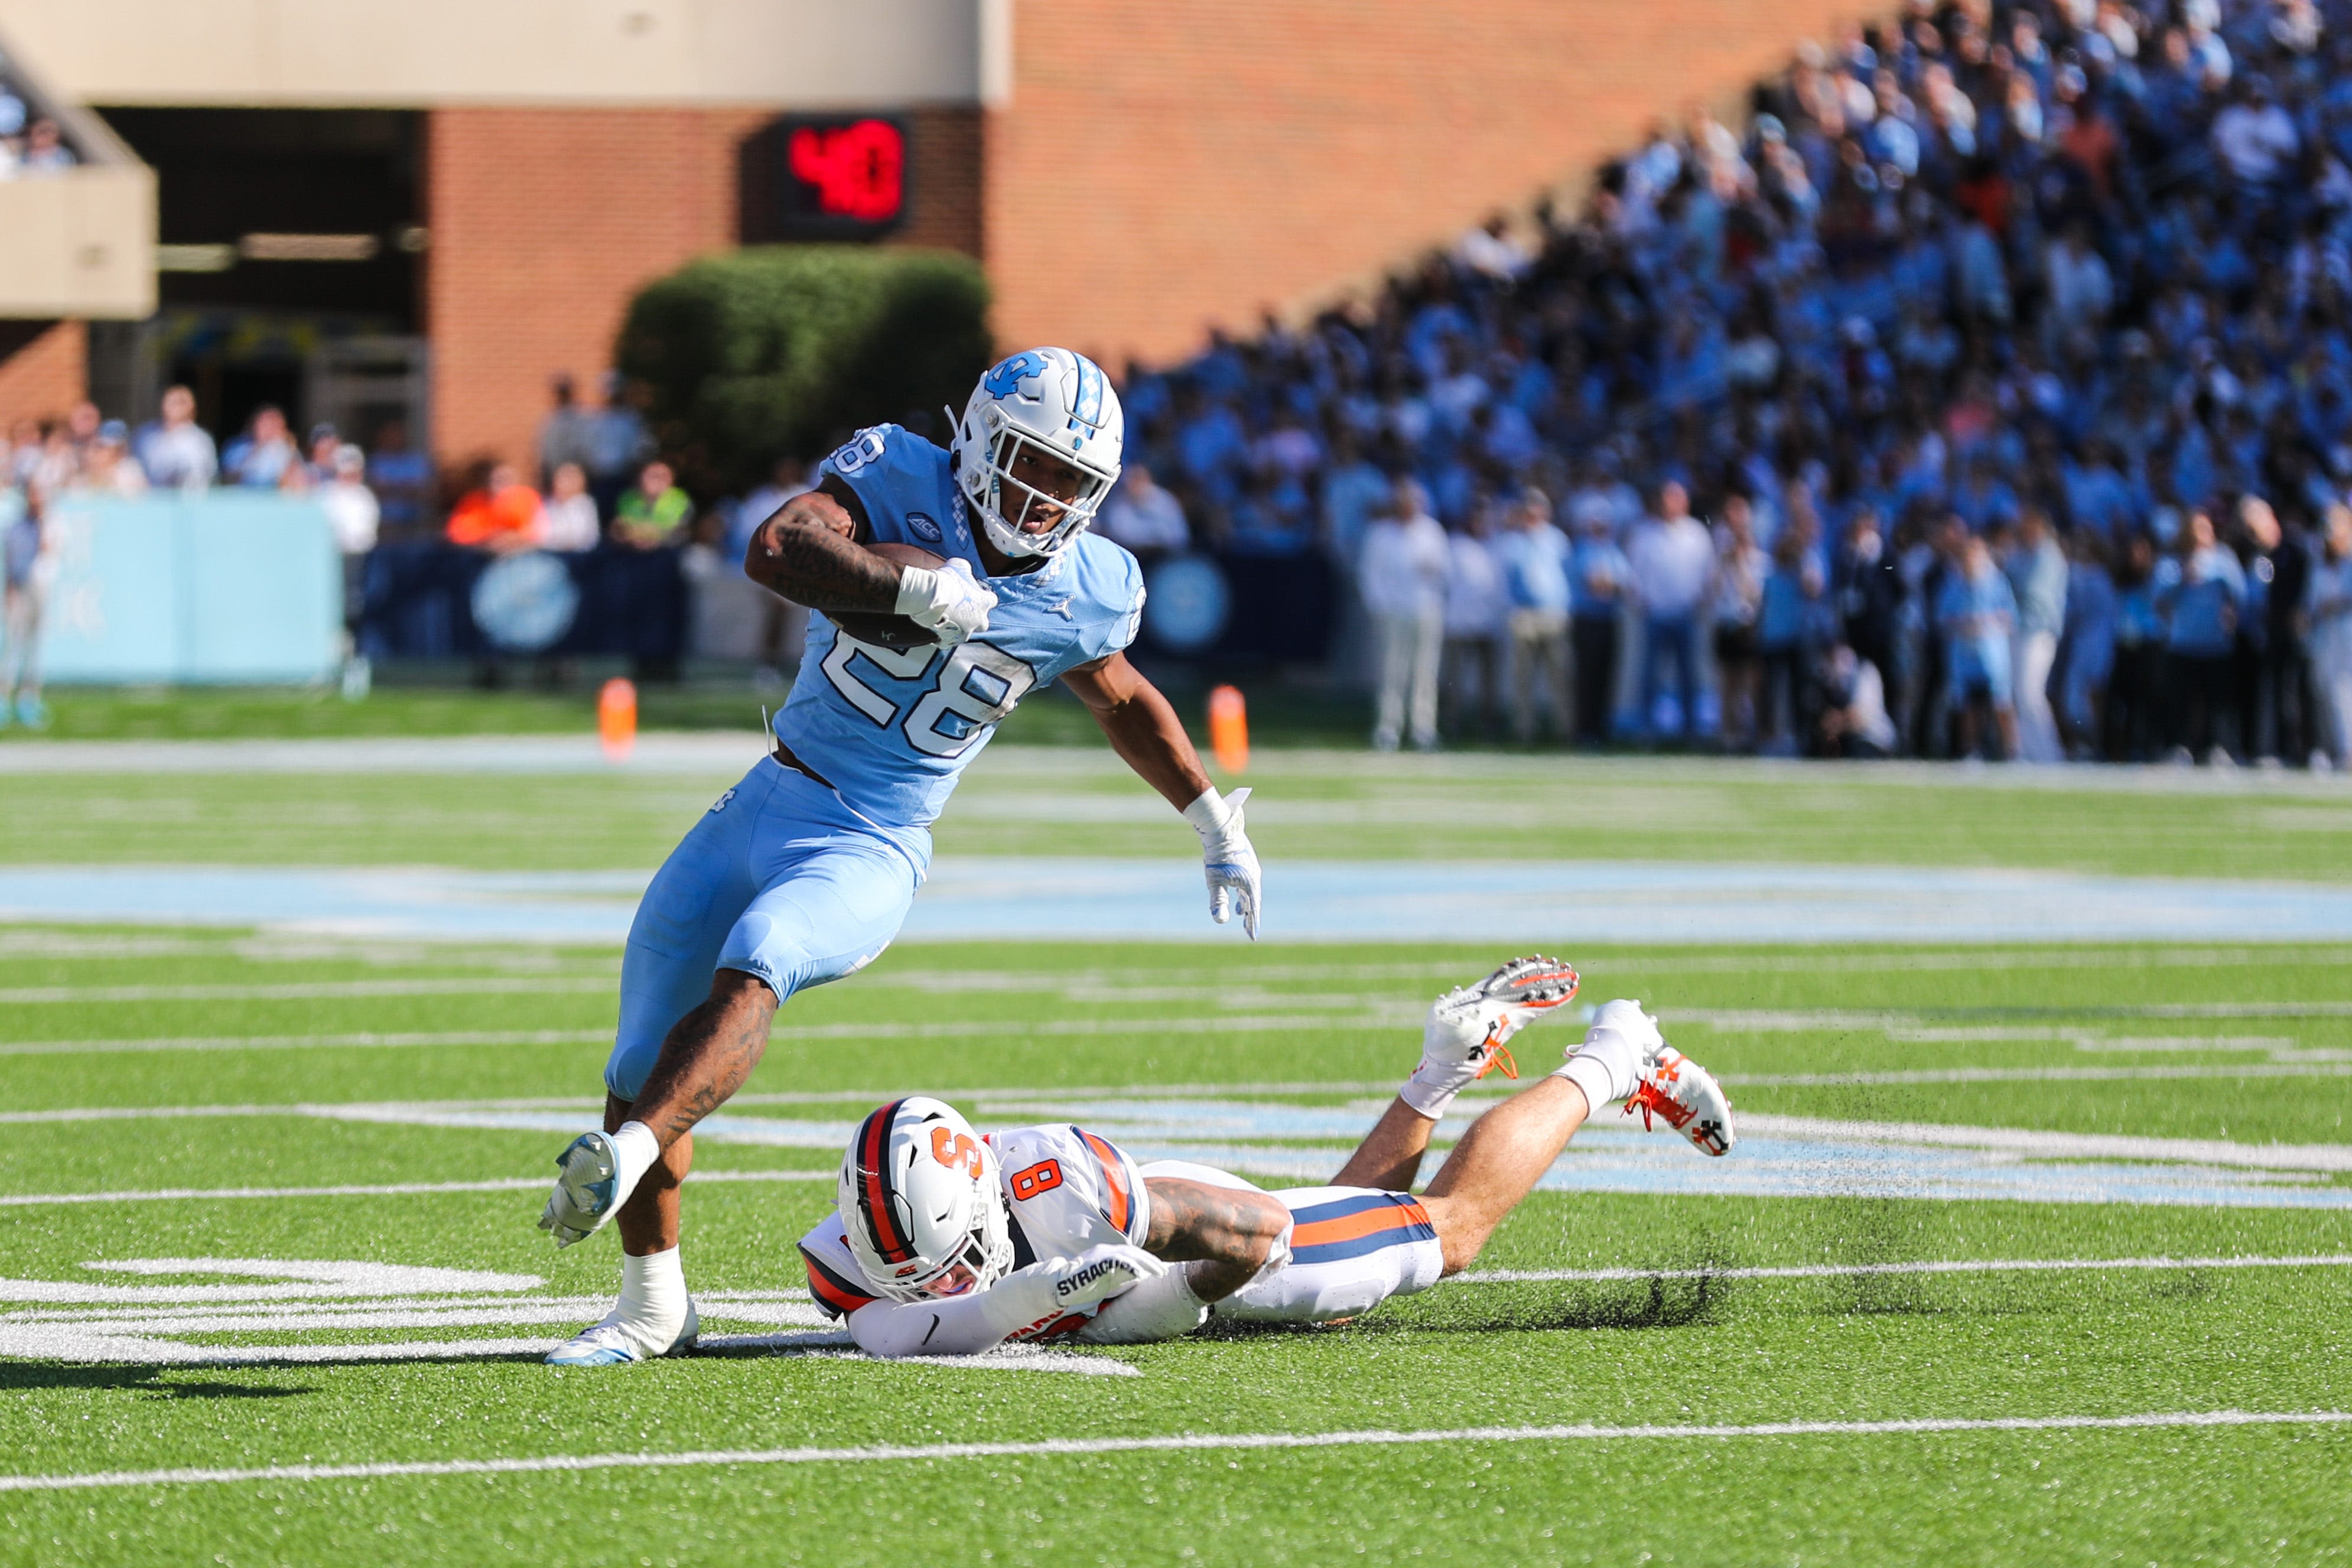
(946,600)
(1226,856)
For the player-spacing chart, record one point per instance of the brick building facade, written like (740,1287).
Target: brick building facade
(1130,176)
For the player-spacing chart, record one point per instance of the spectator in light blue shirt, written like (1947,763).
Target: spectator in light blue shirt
(2201,593)
(1534,557)
(1976,613)
(1598,573)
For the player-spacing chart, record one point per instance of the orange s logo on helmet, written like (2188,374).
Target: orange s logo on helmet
(954,1149)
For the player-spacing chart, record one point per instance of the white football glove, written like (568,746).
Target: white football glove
(946,600)
(1227,858)
(593,1177)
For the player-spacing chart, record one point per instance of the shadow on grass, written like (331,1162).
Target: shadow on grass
(147,1380)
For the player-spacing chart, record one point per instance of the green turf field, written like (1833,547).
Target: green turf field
(1937,1310)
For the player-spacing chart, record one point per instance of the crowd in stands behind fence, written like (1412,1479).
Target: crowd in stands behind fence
(1994,383)
(30,145)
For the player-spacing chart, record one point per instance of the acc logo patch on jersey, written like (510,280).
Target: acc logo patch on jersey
(923,526)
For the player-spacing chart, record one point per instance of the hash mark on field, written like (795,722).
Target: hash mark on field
(1181,1443)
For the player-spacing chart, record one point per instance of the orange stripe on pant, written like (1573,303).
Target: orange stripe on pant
(1347,1227)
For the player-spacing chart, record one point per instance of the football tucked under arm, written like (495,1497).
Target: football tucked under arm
(966,1325)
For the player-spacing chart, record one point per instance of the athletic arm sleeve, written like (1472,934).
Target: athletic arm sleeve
(959,1325)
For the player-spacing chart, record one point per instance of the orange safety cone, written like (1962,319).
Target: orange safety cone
(616,719)
(1229,729)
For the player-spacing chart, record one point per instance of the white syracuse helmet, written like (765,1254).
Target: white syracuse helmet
(921,1202)
(1045,401)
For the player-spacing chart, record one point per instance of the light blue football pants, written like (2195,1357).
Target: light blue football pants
(779,880)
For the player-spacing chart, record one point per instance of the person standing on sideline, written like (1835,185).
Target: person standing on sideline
(1401,574)
(2276,725)
(1977,613)
(1477,613)
(1673,561)
(28,569)
(2328,601)
(1535,554)
(1740,568)
(2200,591)
(1599,576)
(178,453)
(2037,578)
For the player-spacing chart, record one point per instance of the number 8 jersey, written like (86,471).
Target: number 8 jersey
(1067,1189)
(891,729)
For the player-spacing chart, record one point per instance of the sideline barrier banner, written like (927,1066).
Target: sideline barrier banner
(436,601)
(220,588)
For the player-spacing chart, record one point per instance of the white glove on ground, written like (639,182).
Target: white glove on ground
(1226,856)
(946,599)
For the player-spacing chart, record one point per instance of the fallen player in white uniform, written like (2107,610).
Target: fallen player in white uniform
(946,1243)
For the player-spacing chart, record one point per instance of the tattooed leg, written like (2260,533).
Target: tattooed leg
(1229,1231)
(705,1059)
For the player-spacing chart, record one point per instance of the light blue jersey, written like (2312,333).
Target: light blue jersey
(892,728)
(799,884)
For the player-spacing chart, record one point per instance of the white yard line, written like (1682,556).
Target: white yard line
(309,990)
(2328,1069)
(1844,1271)
(303,1042)
(1178,1443)
(361,1190)
(2058,1145)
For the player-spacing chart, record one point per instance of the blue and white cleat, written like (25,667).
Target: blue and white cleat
(587,1189)
(616,1343)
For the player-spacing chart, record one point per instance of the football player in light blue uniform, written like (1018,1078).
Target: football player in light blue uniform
(804,871)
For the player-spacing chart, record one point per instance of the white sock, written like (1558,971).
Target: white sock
(652,1310)
(1607,1067)
(637,1148)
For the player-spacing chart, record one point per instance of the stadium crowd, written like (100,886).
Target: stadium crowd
(1992,392)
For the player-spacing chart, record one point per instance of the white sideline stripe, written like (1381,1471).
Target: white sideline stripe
(1181,1443)
(361,1190)
(1841,1271)
(303,1042)
(308,989)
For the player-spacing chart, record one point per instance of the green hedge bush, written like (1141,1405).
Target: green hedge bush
(783,350)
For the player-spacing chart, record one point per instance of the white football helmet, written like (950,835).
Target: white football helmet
(1053,403)
(921,1202)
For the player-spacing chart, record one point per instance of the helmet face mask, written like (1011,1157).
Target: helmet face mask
(1039,449)
(920,1204)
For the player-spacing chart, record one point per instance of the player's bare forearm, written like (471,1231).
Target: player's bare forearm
(1230,1230)
(707,1056)
(808,551)
(1141,727)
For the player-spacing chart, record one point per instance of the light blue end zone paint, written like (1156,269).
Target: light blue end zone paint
(1517,904)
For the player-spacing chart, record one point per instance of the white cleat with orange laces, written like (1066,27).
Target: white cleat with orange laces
(1464,1039)
(1684,1095)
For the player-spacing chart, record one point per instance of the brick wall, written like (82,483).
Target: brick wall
(1203,159)
(544,223)
(43,366)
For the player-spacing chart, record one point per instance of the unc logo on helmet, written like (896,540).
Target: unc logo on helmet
(1039,449)
(1004,380)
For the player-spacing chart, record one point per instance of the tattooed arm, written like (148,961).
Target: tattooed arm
(811,552)
(1230,1232)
